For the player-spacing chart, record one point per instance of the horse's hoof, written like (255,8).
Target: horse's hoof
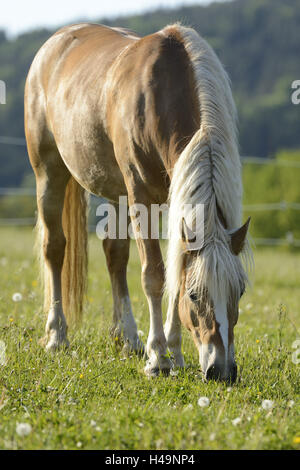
(136,348)
(178,363)
(53,343)
(57,345)
(43,341)
(155,371)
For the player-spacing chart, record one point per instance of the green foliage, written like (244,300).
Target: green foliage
(276,182)
(257,41)
(20,205)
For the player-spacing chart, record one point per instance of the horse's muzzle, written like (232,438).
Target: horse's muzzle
(216,372)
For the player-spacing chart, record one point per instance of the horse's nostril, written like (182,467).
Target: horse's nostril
(213,373)
(233,374)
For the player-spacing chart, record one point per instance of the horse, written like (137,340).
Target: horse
(152,118)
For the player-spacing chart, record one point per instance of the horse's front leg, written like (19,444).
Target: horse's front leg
(117,254)
(153,282)
(173,333)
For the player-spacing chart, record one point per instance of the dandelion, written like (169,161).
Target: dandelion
(229,389)
(79,444)
(11,319)
(93,423)
(291,403)
(203,402)
(141,333)
(81,376)
(236,421)
(267,404)
(249,306)
(34,283)
(159,444)
(212,436)
(257,341)
(296,440)
(23,429)
(17,297)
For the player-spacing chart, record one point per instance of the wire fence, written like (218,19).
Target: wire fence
(289,239)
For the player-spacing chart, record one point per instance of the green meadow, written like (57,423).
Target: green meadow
(94,397)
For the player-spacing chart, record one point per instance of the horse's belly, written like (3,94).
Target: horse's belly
(94,166)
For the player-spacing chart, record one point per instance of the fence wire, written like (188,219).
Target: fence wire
(289,240)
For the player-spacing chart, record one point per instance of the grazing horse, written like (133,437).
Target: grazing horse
(152,119)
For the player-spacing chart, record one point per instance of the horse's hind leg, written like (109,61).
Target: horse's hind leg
(124,326)
(51,185)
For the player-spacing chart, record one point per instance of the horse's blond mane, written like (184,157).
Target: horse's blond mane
(208,171)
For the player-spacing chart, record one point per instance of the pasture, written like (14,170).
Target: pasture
(94,397)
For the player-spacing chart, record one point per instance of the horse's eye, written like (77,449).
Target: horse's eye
(193,296)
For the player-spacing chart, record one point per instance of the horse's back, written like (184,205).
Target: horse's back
(110,101)
(63,102)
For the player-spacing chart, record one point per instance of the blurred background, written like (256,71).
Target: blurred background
(258,41)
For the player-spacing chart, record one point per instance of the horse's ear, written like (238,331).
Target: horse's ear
(238,237)
(187,234)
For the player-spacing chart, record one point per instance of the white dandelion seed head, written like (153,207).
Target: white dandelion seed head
(17,297)
(159,443)
(23,429)
(236,421)
(203,402)
(267,404)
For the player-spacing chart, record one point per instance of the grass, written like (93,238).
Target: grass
(93,398)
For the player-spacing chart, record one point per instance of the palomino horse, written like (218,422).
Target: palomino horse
(152,119)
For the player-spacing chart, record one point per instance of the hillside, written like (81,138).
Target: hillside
(258,41)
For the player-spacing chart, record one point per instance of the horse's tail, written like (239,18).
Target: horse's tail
(74,273)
